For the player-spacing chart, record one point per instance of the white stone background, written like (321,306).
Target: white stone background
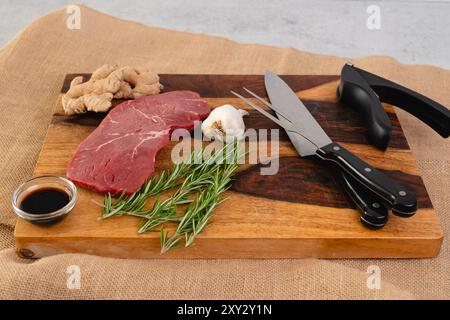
(412,31)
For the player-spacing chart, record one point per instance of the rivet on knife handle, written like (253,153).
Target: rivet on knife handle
(402,200)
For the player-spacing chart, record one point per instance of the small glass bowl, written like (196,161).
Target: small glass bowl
(39,182)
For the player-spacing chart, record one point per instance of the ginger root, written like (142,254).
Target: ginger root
(143,81)
(106,83)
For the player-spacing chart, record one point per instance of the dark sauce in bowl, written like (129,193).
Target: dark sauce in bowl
(44,200)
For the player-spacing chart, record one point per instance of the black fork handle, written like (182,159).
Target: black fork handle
(402,201)
(373,212)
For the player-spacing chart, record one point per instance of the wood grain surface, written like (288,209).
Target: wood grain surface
(299,212)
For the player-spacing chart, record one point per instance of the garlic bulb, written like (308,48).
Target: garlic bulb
(225,123)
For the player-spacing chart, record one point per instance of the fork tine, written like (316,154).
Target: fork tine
(267,104)
(286,126)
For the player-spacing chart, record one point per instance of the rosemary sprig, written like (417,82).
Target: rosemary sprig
(202,176)
(199,212)
(205,181)
(135,203)
(166,209)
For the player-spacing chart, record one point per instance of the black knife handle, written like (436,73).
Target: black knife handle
(374,213)
(402,201)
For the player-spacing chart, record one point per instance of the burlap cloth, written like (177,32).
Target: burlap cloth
(32,68)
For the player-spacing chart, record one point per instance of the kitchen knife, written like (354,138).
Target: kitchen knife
(316,142)
(373,212)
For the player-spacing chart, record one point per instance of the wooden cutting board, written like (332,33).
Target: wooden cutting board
(300,212)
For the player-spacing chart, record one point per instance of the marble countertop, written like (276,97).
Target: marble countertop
(412,31)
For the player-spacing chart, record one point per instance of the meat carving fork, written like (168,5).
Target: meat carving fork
(361,180)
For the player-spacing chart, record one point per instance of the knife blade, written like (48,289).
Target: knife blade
(316,142)
(281,95)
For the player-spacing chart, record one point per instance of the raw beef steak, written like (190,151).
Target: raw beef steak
(119,155)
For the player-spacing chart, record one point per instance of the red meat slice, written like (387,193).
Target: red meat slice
(119,155)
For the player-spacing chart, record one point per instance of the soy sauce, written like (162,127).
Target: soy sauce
(45,200)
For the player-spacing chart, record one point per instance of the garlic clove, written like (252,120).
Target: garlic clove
(225,123)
